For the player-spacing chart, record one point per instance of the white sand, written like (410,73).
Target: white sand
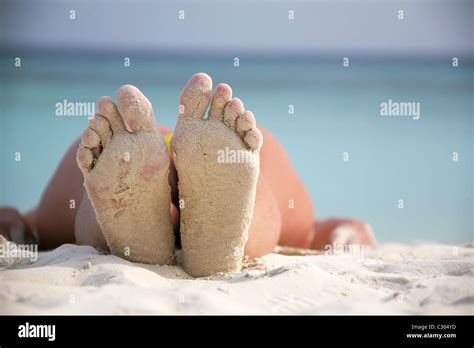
(422,279)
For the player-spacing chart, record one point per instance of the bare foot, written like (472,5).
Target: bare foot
(125,165)
(217,160)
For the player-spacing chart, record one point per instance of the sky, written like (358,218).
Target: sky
(428,27)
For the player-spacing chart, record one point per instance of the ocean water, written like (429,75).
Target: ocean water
(336,110)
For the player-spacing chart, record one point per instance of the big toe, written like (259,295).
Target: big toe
(195,96)
(136,109)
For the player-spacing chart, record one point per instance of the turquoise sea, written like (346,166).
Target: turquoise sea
(336,110)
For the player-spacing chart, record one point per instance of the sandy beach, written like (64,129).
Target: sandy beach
(393,279)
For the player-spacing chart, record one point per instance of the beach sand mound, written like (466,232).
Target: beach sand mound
(394,279)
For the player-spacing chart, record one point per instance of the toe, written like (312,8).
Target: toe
(254,139)
(109,110)
(246,122)
(195,96)
(233,109)
(100,125)
(136,110)
(90,139)
(84,159)
(222,96)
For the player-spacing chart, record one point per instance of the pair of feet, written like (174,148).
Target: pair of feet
(125,164)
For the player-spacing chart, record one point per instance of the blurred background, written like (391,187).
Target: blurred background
(289,53)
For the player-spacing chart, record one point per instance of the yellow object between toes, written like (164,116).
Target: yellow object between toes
(167,138)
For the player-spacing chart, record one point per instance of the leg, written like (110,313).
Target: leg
(56,212)
(284,214)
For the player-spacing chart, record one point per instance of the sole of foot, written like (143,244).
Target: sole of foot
(125,164)
(217,160)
